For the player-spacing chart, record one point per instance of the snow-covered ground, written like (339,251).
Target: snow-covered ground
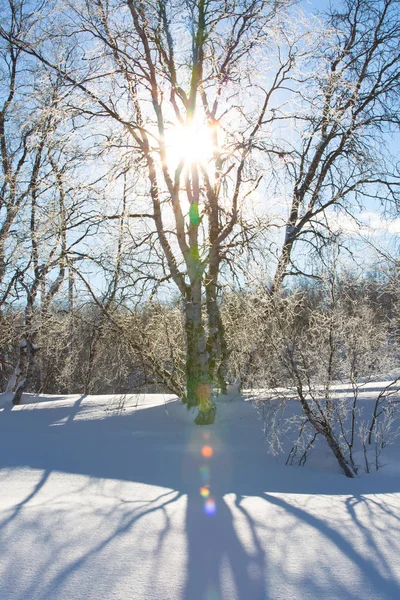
(123,498)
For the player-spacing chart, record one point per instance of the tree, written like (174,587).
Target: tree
(340,156)
(325,344)
(22,141)
(190,97)
(41,196)
(165,70)
(26,130)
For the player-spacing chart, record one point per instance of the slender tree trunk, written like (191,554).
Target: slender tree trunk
(198,384)
(283,261)
(70,347)
(216,344)
(24,369)
(324,429)
(95,338)
(334,446)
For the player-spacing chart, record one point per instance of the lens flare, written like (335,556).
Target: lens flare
(206,435)
(207,451)
(203,393)
(212,593)
(204,492)
(205,474)
(209,507)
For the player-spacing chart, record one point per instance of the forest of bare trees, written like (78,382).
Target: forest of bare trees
(176,181)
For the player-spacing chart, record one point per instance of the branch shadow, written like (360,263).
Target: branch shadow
(373,567)
(146,446)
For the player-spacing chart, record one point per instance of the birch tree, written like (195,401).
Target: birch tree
(41,192)
(175,78)
(194,95)
(342,155)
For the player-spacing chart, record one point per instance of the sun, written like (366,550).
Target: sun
(190,143)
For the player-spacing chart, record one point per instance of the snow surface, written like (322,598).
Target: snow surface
(100,499)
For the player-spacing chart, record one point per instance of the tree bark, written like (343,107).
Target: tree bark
(216,344)
(324,429)
(198,384)
(24,369)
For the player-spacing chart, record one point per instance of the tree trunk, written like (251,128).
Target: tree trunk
(322,427)
(334,446)
(216,344)
(24,369)
(198,384)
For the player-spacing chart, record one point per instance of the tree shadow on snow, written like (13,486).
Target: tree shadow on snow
(148,446)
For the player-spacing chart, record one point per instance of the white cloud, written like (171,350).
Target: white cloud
(368,223)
